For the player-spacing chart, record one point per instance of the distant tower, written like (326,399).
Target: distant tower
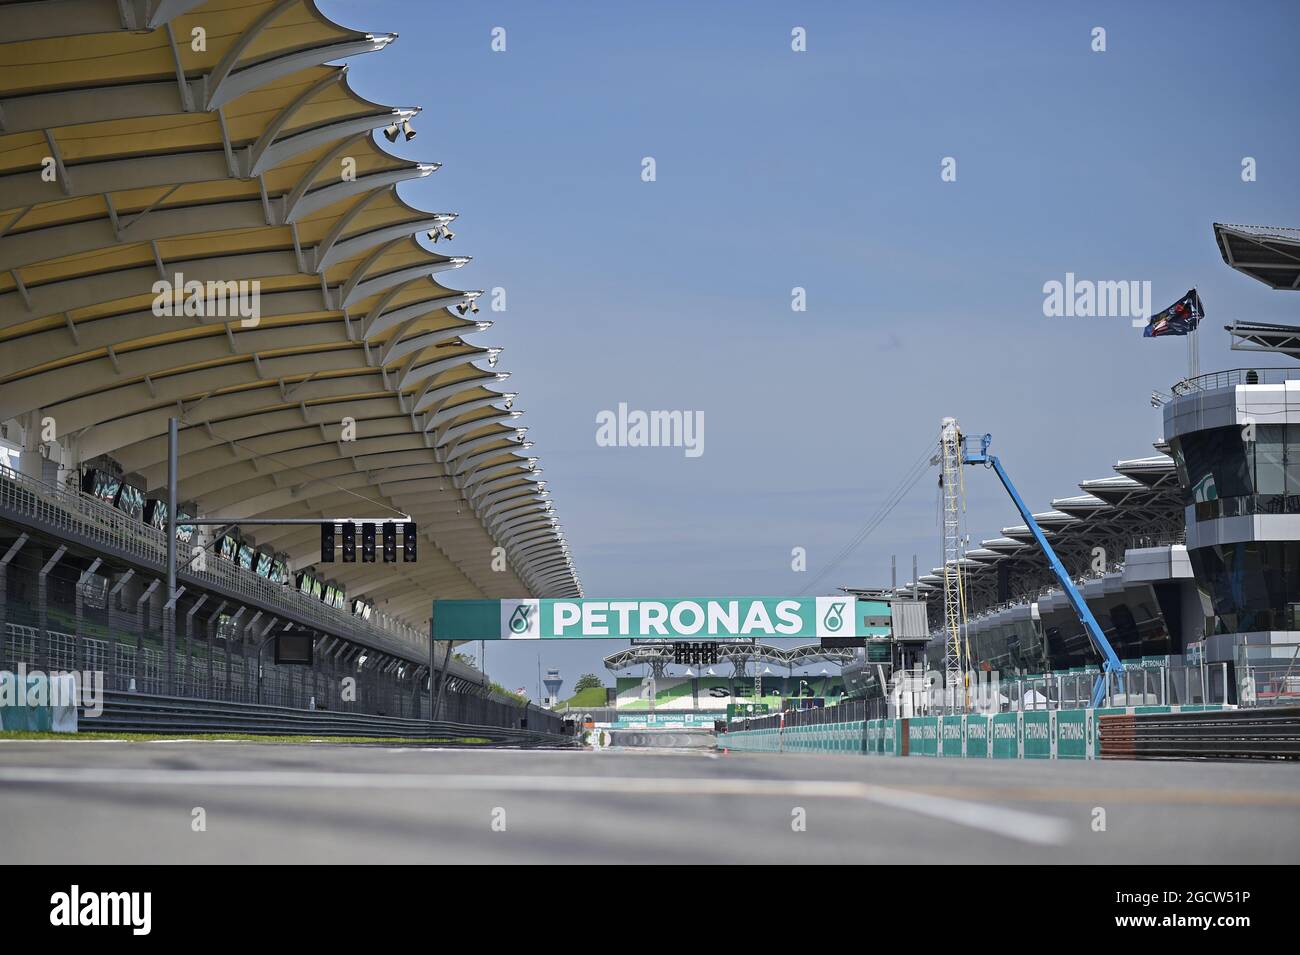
(552,684)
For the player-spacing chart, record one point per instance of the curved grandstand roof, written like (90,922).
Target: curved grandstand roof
(1140,503)
(1270,254)
(129,155)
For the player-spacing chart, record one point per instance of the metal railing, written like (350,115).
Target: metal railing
(1233,376)
(1136,686)
(73,515)
(847,712)
(230,675)
(1274,682)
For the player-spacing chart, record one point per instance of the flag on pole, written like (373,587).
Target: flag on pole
(1178,319)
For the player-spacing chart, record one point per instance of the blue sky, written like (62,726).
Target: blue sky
(821,169)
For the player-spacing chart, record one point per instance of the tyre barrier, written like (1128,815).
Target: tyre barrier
(1025,734)
(145,713)
(1267,733)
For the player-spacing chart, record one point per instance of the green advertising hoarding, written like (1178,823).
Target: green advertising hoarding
(1036,734)
(950,732)
(977,735)
(692,618)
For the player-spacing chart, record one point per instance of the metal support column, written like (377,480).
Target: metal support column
(169,638)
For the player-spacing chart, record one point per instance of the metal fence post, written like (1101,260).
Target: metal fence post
(42,652)
(14,548)
(437,699)
(141,611)
(230,639)
(169,641)
(79,602)
(113,642)
(214,622)
(189,644)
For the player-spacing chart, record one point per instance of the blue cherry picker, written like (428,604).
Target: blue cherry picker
(1110,661)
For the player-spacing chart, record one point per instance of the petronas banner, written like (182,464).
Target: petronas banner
(692,618)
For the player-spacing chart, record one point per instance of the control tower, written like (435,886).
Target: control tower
(552,684)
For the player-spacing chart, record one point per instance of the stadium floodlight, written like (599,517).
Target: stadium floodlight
(390,132)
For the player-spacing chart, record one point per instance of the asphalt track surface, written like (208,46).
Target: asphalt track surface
(104,802)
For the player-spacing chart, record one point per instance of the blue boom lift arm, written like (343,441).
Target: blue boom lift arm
(1111,662)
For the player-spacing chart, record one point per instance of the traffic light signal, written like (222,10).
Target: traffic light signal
(349,542)
(390,542)
(408,542)
(327,542)
(368,543)
(695,654)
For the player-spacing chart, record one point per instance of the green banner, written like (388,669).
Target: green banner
(923,736)
(977,735)
(1073,734)
(1037,734)
(1005,736)
(950,730)
(699,618)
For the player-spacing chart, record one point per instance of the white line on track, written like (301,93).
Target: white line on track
(1009,823)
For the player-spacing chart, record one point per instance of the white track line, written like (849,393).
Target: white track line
(1010,823)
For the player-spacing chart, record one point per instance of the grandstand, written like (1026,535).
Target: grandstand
(198,221)
(1186,557)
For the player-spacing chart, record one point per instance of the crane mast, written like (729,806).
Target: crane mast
(954,550)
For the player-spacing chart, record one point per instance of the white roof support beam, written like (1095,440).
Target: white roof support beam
(250,78)
(257,151)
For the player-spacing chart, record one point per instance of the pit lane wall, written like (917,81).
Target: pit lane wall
(1025,734)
